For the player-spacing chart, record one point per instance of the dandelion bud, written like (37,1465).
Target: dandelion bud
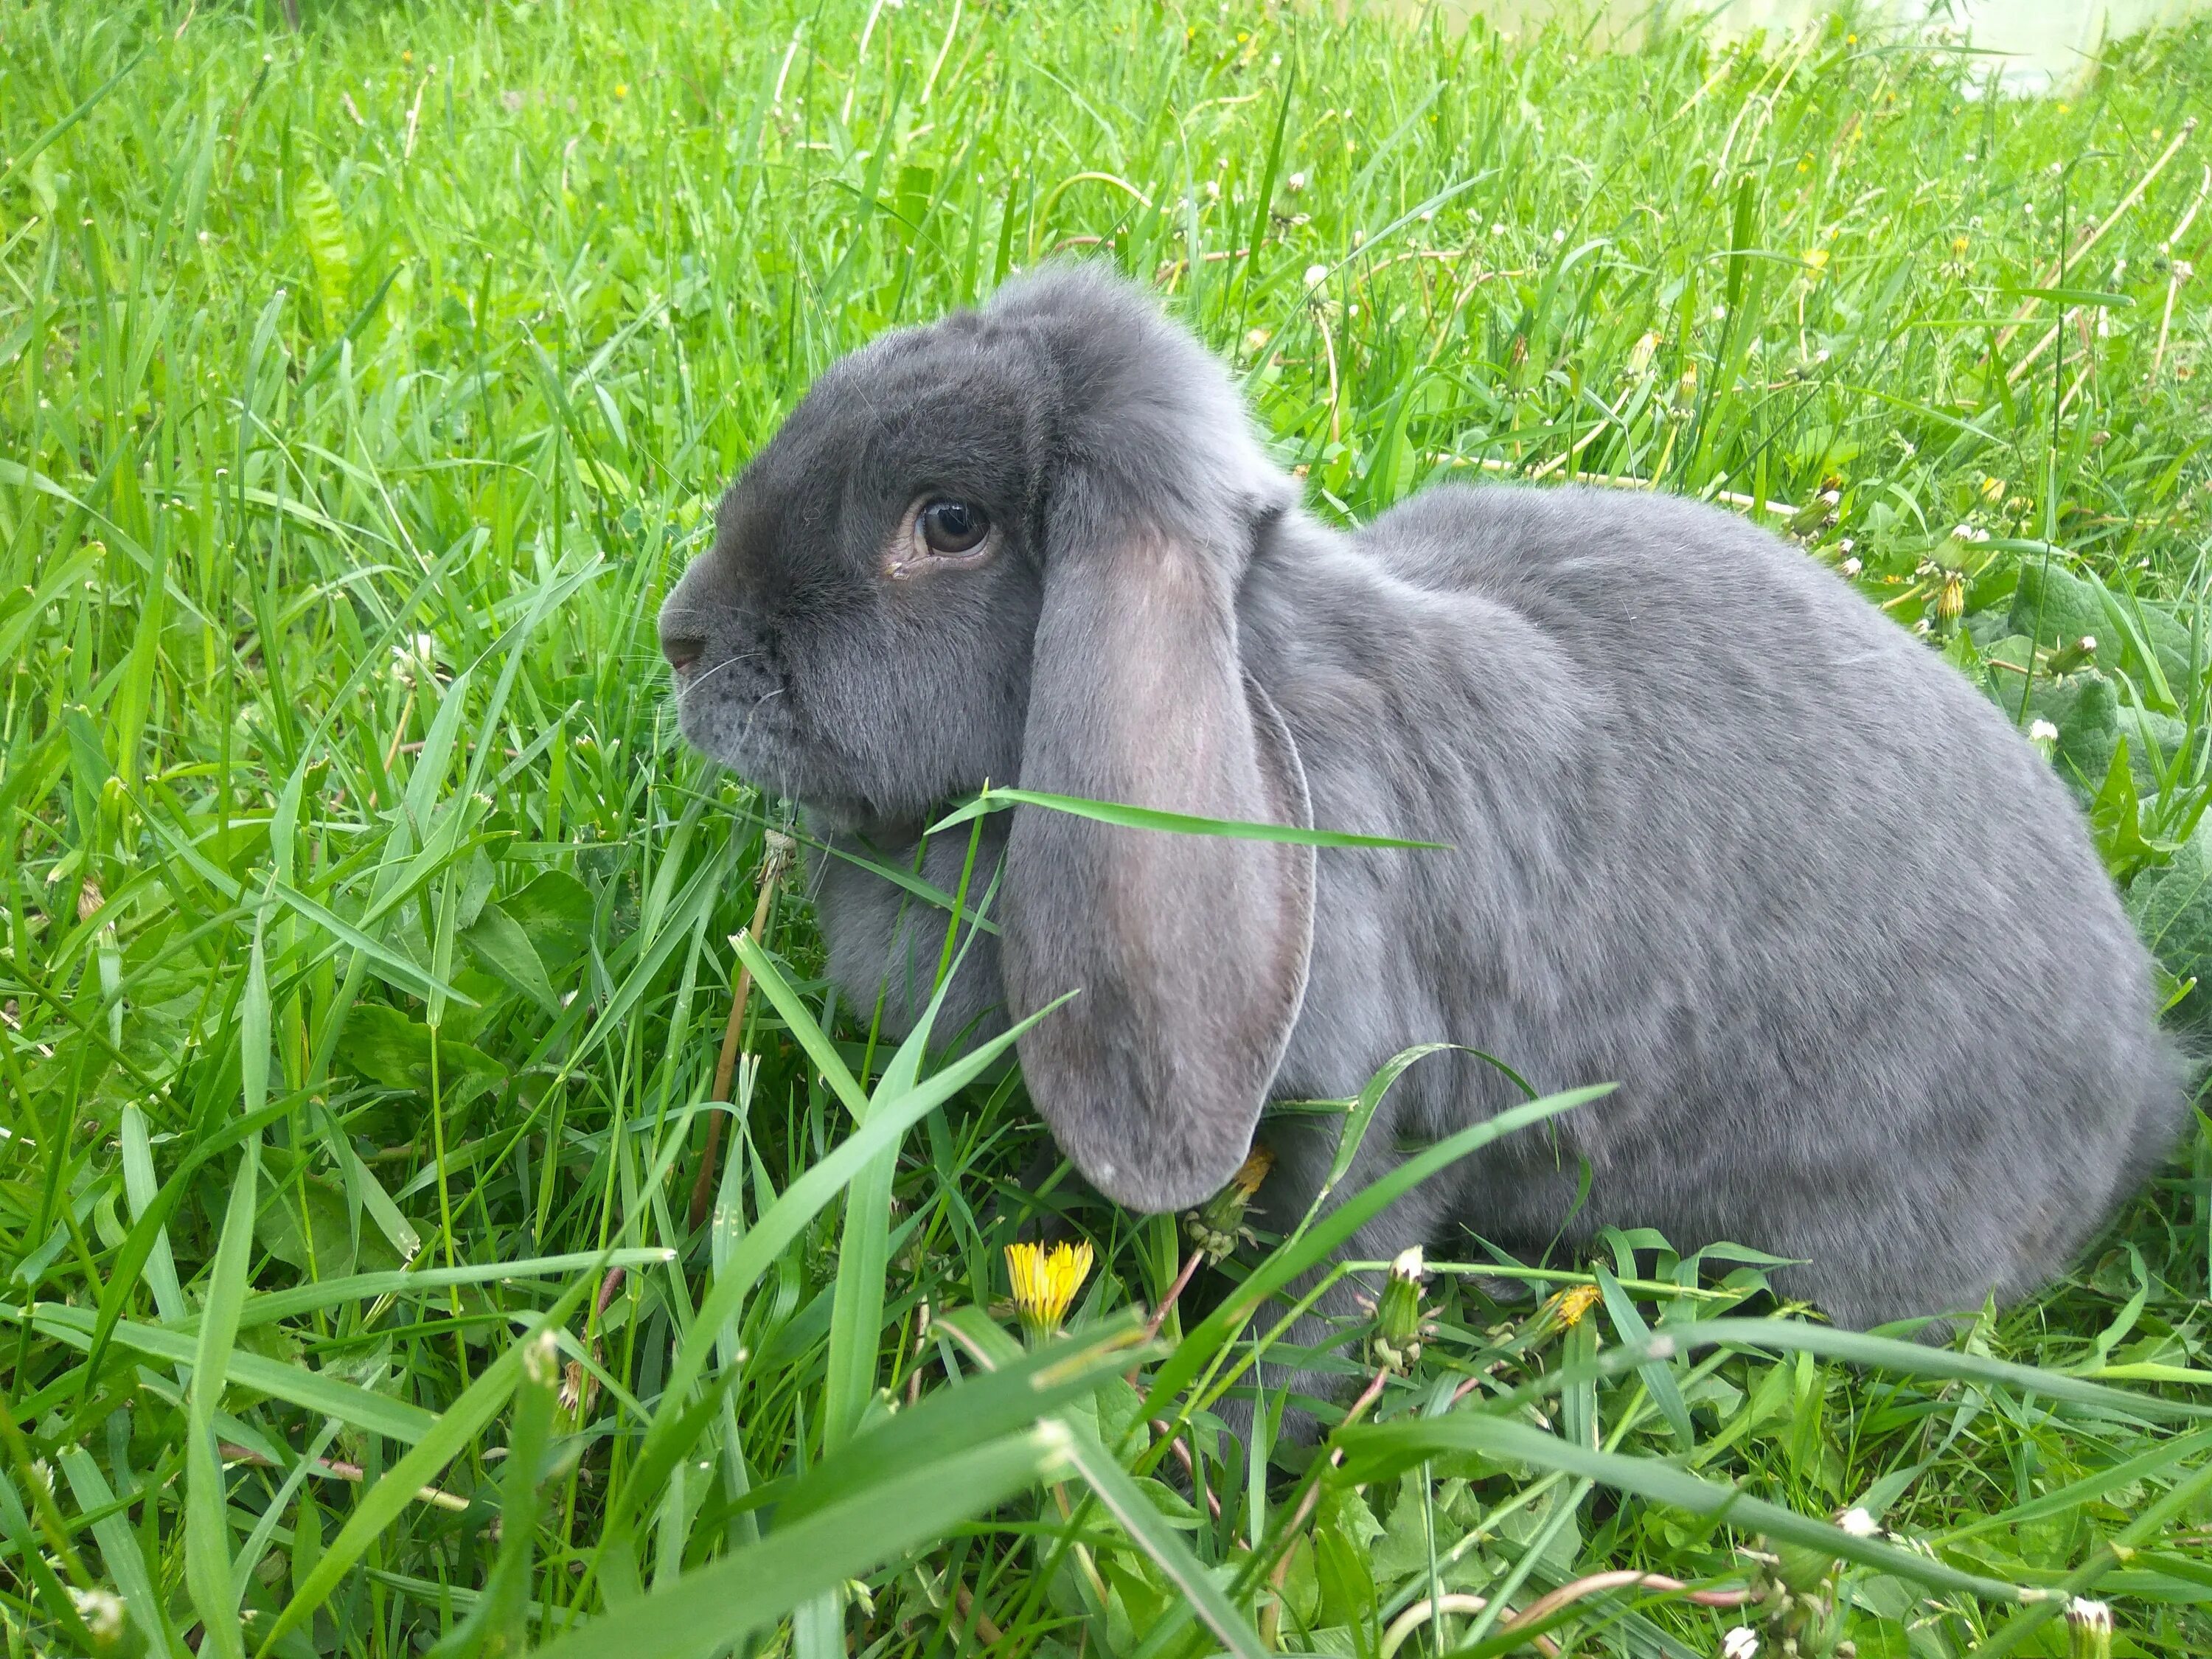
(1045,1282)
(776,850)
(1951,599)
(2089,1629)
(1397,1339)
(2045,736)
(1851,567)
(1216,1225)
(1295,182)
(1640,355)
(2067,657)
(1741,1642)
(579,1391)
(1316,276)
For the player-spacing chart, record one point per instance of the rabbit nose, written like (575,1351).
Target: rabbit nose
(682,650)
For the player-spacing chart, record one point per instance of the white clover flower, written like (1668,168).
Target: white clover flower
(1316,276)
(1496,229)
(1741,1642)
(1858,1523)
(1558,236)
(102,1613)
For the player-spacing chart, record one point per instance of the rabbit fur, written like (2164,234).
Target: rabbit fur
(1719,831)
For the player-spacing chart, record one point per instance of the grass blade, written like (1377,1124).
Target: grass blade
(207,1524)
(750,1588)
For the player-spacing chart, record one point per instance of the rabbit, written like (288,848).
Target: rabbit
(1713,828)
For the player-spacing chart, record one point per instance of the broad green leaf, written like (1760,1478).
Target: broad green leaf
(497,941)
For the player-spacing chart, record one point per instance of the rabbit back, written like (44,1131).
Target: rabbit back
(1725,835)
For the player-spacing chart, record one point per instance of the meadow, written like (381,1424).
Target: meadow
(372,943)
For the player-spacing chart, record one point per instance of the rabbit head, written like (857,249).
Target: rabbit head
(1007,548)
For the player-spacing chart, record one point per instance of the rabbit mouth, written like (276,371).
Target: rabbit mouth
(737,712)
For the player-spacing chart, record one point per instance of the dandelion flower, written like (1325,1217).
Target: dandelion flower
(1045,1282)
(1569,1307)
(1815,257)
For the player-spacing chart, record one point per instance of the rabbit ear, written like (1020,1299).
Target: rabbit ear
(1190,951)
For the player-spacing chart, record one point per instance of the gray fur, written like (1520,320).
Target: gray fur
(1721,833)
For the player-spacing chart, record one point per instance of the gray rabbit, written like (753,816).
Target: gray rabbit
(1718,831)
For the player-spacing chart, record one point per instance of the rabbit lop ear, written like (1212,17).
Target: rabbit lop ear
(1189,951)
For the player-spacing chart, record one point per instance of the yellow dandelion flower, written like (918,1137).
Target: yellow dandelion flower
(621,88)
(1993,489)
(1569,1307)
(1816,257)
(1045,1283)
(1959,245)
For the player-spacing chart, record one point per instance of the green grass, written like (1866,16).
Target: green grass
(360,390)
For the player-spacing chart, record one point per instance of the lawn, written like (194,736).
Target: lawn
(369,968)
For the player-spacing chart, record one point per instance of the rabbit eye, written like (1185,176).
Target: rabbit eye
(952,527)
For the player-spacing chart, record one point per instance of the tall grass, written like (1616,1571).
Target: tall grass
(370,938)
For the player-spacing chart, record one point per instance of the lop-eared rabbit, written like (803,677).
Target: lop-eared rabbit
(1718,831)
